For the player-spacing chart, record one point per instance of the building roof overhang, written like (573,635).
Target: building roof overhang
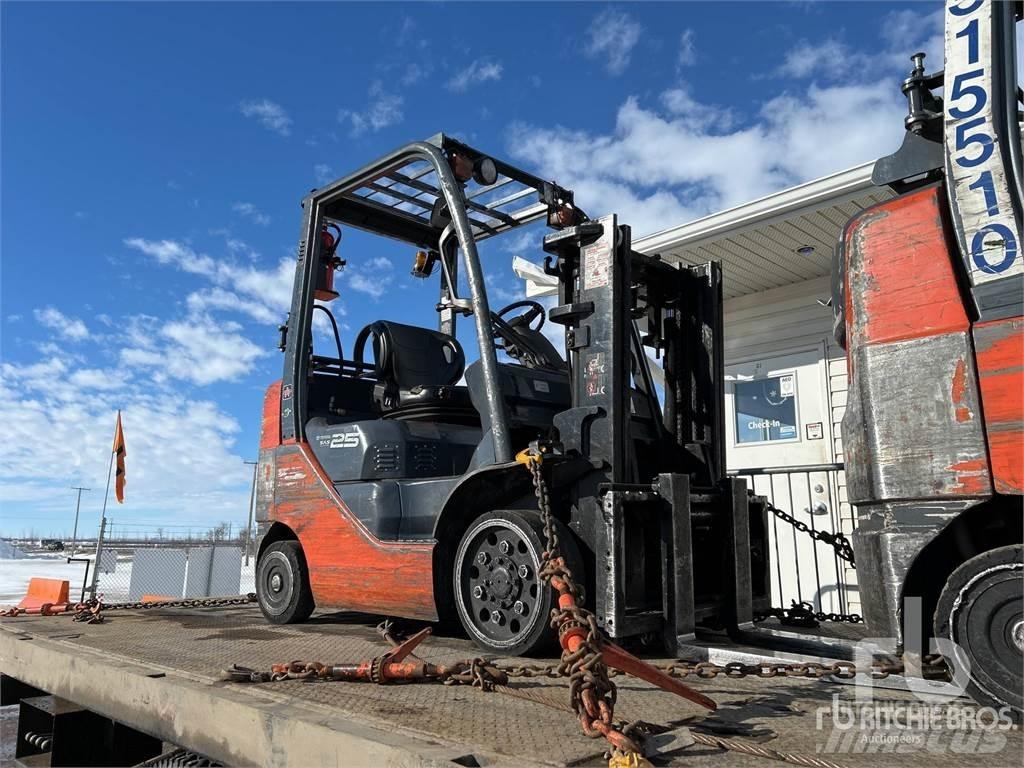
(765,243)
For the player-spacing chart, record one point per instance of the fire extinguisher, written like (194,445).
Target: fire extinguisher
(330,238)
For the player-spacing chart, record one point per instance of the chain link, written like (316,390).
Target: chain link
(91,611)
(843,670)
(837,540)
(803,614)
(200,602)
(592,693)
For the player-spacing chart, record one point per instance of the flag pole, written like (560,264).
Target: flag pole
(103,521)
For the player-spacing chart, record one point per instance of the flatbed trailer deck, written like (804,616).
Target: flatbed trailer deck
(161,671)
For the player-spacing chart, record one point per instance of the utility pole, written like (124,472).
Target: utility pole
(78,504)
(252,498)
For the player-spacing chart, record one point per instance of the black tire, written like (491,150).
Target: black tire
(500,600)
(981,610)
(282,584)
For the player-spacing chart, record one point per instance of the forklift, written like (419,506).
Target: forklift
(387,481)
(928,295)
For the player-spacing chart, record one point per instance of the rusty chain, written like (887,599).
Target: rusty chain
(592,693)
(91,610)
(802,614)
(199,602)
(838,541)
(932,666)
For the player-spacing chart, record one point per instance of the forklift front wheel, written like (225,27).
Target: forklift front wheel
(282,584)
(981,611)
(501,601)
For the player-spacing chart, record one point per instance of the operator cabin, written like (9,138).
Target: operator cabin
(785,373)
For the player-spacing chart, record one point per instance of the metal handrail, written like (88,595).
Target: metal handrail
(786,470)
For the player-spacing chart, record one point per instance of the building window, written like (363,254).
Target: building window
(766,409)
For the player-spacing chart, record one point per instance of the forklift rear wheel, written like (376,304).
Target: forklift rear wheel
(282,584)
(981,610)
(501,601)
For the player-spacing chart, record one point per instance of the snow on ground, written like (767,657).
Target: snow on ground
(15,574)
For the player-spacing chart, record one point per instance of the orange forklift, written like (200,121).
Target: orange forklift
(929,295)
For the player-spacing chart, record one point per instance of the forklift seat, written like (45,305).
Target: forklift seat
(417,370)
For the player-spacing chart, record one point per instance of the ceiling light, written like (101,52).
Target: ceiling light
(805,250)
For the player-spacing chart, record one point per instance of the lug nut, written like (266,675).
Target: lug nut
(504,547)
(483,558)
(478,592)
(519,607)
(496,617)
(524,571)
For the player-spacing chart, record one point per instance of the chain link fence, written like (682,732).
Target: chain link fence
(130,569)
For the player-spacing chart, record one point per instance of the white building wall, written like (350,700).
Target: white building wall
(771,325)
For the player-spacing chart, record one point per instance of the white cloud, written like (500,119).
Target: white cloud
(182,461)
(175,253)
(479,71)
(710,117)
(251,212)
(520,242)
(323,173)
(659,168)
(384,109)
(203,351)
(414,72)
(200,302)
(675,158)
(267,292)
(70,328)
(611,37)
(901,34)
(373,277)
(95,378)
(271,116)
(687,49)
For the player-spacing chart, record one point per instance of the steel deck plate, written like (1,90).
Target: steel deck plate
(167,652)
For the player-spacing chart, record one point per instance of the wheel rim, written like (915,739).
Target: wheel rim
(276,582)
(499,590)
(987,624)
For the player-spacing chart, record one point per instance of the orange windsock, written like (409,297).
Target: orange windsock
(119,453)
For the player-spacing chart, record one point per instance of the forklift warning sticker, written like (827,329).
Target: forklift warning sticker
(595,377)
(597,263)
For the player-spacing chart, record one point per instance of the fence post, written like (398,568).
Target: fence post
(209,571)
(99,554)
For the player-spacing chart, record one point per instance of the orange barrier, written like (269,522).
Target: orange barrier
(158,598)
(45,591)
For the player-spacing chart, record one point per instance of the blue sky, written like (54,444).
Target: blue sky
(154,157)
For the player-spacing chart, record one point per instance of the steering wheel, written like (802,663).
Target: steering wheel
(535,310)
(516,345)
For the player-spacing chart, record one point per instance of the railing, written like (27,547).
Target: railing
(803,569)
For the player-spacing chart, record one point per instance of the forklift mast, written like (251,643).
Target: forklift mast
(657,510)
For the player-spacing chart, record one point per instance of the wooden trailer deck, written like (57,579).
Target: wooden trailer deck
(160,671)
